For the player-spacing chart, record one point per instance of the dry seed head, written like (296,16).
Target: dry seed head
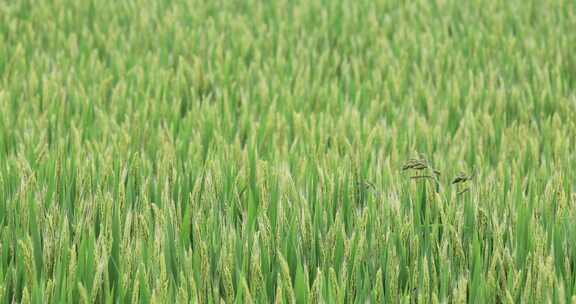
(415,164)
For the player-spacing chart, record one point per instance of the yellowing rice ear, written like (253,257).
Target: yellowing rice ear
(272,151)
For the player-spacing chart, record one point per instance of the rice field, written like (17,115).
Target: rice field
(290,151)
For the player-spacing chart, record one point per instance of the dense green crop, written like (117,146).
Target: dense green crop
(160,151)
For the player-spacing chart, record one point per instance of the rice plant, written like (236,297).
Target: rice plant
(188,151)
